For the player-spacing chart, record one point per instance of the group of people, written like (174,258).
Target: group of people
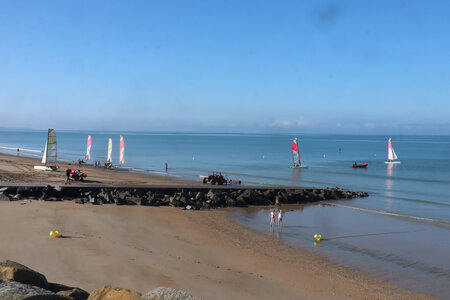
(280,220)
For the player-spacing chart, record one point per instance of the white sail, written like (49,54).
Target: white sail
(109,159)
(44,157)
(50,151)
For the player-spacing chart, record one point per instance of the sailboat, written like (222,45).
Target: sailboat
(297,163)
(88,151)
(50,152)
(392,157)
(109,157)
(122,151)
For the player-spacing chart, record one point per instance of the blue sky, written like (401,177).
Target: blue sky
(228,66)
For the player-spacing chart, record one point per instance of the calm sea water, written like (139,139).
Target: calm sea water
(419,186)
(400,232)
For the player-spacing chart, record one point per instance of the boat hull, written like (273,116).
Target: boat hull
(360,166)
(46,168)
(298,167)
(391,162)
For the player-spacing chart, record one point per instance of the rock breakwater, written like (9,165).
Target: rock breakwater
(184,197)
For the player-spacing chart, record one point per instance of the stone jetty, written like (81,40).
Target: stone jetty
(187,197)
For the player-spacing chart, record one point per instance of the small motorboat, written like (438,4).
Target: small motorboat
(355,165)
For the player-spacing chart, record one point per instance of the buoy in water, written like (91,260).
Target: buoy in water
(55,234)
(193,157)
(318,237)
(324,155)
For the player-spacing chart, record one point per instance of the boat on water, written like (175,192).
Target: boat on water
(88,150)
(296,159)
(392,157)
(50,152)
(355,165)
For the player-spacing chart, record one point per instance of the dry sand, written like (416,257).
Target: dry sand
(140,248)
(21,169)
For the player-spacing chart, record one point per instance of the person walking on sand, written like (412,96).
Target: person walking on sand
(280,220)
(272,219)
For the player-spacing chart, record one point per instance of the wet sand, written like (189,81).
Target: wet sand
(136,247)
(202,252)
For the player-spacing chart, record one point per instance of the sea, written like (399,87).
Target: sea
(401,232)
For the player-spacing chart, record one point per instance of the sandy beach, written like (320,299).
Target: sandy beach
(140,248)
(21,169)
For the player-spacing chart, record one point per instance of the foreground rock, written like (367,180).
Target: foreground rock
(10,270)
(18,282)
(188,197)
(109,293)
(12,290)
(164,293)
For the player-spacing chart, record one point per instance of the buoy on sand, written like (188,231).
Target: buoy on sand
(55,234)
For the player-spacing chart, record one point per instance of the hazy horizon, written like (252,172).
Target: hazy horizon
(344,67)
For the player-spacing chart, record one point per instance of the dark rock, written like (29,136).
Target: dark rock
(68,291)
(12,290)
(10,270)
(4,197)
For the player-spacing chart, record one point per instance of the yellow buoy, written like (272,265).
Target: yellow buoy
(324,155)
(55,234)
(318,237)
(193,157)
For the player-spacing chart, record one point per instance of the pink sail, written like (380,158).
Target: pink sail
(88,151)
(295,153)
(122,151)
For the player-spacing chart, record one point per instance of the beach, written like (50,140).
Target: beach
(136,247)
(21,169)
(202,252)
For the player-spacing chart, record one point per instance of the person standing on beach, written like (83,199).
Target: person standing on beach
(280,220)
(167,167)
(68,171)
(272,219)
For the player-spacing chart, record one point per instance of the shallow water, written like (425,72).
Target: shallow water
(409,253)
(419,186)
(401,231)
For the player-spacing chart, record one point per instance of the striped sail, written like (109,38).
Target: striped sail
(295,153)
(122,151)
(50,151)
(109,159)
(88,151)
(391,152)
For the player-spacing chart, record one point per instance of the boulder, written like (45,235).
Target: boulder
(164,293)
(10,270)
(110,293)
(12,290)
(68,291)
(4,197)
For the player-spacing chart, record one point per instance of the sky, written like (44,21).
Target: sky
(358,67)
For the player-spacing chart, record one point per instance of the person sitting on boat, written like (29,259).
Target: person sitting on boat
(355,163)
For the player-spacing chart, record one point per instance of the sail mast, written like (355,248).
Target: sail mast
(109,158)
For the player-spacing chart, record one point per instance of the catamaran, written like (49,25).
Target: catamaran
(297,163)
(50,152)
(88,151)
(392,157)
(122,151)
